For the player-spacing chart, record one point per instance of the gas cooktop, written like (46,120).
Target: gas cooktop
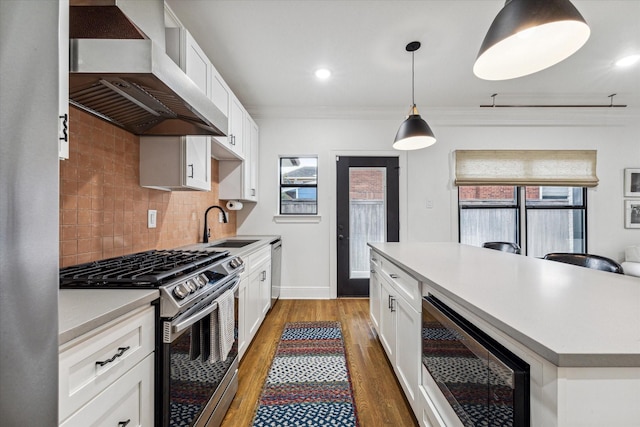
(150,269)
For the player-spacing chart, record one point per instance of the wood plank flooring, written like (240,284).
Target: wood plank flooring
(379,398)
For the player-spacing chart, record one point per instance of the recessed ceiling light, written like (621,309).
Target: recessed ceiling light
(323,73)
(627,61)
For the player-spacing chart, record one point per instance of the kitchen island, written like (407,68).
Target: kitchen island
(578,329)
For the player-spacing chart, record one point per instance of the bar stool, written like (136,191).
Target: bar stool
(596,262)
(514,248)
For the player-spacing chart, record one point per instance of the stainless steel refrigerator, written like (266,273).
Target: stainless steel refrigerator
(29,213)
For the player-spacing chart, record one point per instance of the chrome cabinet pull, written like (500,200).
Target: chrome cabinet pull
(190,166)
(264,275)
(124,423)
(253,191)
(121,351)
(374,259)
(394,276)
(372,271)
(65,128)
(392,306)
(232,141)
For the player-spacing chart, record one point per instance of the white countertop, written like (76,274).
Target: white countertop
(571,316)
(82,310)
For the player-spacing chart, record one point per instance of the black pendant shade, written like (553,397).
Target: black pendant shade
(414,132)
(528,36)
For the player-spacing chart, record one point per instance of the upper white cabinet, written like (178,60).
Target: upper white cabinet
(63,79)
(175,163)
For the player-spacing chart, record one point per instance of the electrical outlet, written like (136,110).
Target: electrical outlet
(152,216)
(429,204)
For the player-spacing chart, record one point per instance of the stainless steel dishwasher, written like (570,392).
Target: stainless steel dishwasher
(276,269)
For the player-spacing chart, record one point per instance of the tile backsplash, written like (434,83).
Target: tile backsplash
(103,209)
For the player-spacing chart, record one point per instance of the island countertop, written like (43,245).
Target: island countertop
(572,316)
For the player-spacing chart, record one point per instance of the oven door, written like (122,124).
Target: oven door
(195,389)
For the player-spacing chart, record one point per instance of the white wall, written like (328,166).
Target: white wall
(308,249)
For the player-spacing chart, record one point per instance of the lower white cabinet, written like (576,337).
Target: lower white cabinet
(255,296)
(395,300)
(106,375)
(175,163)
(127,402)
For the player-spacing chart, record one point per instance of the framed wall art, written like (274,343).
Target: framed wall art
(632,214)
(632,182)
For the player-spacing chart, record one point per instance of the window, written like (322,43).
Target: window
(298,185)
(554,217)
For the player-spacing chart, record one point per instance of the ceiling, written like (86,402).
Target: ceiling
(267,51)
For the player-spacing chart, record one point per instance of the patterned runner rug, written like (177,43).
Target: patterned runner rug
(308,383)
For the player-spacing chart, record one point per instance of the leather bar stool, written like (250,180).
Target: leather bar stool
(596,262)
(514,248)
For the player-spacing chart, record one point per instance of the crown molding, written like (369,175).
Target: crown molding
(465,116)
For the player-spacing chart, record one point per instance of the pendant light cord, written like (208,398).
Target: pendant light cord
(413,79)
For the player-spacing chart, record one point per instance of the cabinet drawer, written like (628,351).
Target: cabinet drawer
(406,285)
(129,400)
(94,361)
(374,258)
(258,257)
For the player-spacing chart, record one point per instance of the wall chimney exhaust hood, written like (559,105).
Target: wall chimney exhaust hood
(118,73)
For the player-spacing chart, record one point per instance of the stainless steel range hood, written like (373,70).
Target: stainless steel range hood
(121,75)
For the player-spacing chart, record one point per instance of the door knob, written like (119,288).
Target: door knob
(340,237)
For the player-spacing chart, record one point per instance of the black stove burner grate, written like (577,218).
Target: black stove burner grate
(149,269)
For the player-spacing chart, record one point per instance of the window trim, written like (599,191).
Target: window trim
(280,215)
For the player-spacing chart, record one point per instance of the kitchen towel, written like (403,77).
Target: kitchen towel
(222,328)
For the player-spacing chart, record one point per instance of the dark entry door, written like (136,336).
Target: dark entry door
(367,211)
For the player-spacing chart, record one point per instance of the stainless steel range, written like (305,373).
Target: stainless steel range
(196,384)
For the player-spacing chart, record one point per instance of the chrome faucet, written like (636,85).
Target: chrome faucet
(207,232)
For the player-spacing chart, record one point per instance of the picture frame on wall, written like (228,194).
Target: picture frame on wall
(632,182)
(632,214)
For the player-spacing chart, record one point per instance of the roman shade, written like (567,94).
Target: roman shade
(562,168)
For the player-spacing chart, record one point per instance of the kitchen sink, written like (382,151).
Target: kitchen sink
(232,244)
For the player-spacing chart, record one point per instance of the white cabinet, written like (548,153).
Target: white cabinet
(106,375)
(398,312)
(239,178)
(255,299)
(175,163)
(374,294)
(185,51)
(243,331)
(63,79)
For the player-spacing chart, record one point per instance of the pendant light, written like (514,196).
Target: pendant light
(528,36)
(414,132)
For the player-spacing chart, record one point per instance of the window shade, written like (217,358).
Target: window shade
(566,168)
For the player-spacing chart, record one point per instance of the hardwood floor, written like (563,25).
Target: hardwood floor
(379,398)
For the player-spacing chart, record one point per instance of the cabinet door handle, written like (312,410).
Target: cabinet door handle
(389,303)
(392,306)
(124,423)
(374,259)
(121,351)
(394,276)
(65,128)
(372,271)
(264,276)
(232,141)
(253,191)
(190,166)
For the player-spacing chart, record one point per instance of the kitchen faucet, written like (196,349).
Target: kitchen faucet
(207,231)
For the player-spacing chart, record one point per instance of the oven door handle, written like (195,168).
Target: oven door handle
(184,324)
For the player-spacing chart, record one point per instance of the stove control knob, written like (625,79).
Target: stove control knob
(191,284)
(203,280)
(236,262)
(181,291)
